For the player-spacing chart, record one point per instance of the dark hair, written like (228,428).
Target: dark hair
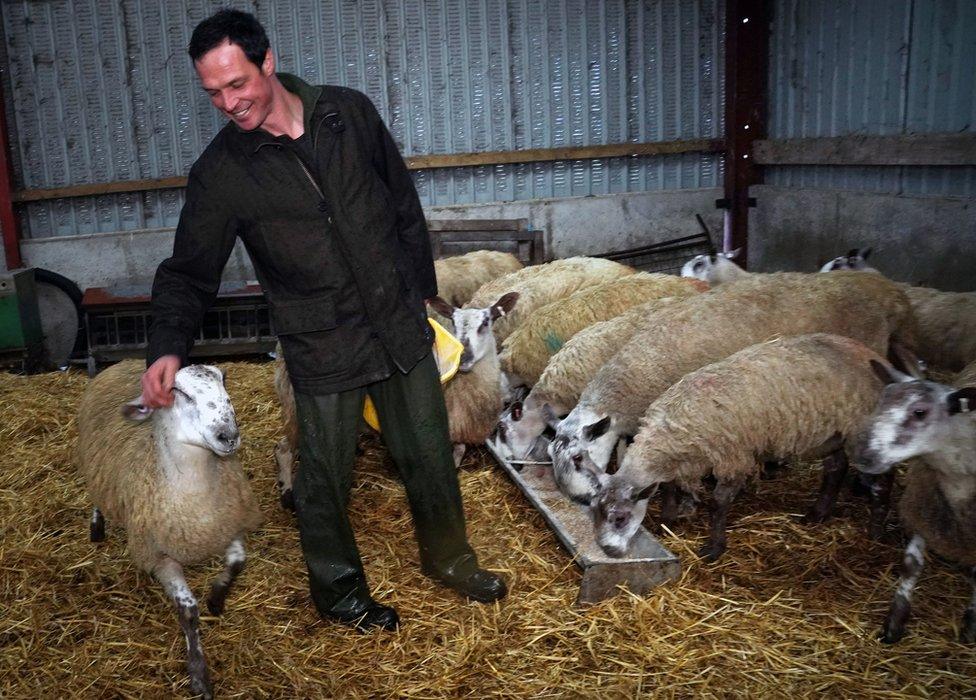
(234,26)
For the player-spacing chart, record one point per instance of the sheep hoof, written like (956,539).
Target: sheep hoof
(813,517)
(288,500)
(97,532)
(891,634)
(711,552)
(200,685)
(217,599)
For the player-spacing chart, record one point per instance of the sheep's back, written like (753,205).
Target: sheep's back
(526,352)
(474,402)
(967,377)
(701,329)
(459,277)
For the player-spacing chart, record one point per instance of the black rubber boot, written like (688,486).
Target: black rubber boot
(413,421)
(327,439)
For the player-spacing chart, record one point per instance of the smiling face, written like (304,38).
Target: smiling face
(241,90)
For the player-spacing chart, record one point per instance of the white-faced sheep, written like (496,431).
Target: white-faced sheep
(936,423)
(473,396)
(856,259)
(558,390)
(173,482)
(460,276)
(526,352)
(706,328)
(802,396)
(715,269)
(539,285)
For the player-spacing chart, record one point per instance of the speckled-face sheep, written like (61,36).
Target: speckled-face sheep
(801,396)
(936,423)
(558,390)
(460,276)
(173,482)
(856,259)
(715,269)
(701,329)
(526,352)
(473,396)
(538,285)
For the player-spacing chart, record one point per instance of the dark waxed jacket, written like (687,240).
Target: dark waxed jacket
(344,258)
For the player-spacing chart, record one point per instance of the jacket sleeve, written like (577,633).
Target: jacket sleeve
(186,284)
(412,231)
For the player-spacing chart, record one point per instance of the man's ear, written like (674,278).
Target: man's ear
(136,411)
(268,64)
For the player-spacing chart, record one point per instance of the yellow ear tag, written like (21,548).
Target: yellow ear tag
(447,354)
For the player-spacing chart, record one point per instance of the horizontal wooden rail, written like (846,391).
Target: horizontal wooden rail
(453,160)
(916,149)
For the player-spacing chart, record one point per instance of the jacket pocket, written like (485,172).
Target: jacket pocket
(304,316)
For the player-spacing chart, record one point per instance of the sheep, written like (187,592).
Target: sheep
(936,423)
(856,259)
(173,482)
(459,277)
(946,326)
(521,427)
(526,352)
(804,396)
(539,285)
(473,396)
(967,377)
(708,327)
(715,269)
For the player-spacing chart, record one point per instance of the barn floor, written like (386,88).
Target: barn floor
(789,611)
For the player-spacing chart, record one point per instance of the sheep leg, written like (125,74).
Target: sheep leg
(234,563)
(901,604)
(285,457)
(967,634)
(725,491)
(170,574)
(834,470)
(669,504)
(880,498)
(97,529)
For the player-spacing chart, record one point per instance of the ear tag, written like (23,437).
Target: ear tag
(963,405)
(334,122)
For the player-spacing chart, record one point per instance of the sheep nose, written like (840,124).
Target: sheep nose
(619,521)
(229,437)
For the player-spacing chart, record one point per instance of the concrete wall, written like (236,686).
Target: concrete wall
(916,239)
(573,226)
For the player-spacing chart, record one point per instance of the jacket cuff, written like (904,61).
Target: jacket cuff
(167,341)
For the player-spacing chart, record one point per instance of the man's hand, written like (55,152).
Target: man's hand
(157,382)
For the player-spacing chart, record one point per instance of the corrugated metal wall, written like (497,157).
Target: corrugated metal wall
(873,67)
(98,92)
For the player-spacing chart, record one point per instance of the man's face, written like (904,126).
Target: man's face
(237,87)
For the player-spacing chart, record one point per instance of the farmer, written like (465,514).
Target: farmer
(309,178)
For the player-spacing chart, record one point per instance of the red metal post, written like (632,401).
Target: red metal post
(746,59)
(9,222)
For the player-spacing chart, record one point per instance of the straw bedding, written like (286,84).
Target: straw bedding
(789,611)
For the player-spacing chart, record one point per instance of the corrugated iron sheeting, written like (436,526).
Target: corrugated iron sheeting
(873,67)
(98,92)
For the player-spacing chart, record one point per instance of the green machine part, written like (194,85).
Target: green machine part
(20,319)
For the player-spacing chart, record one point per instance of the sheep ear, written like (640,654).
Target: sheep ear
(864,252)
(552,420)
(595,430)
(136,411)
(440,306)
(732,254)
(504,305)
(888,374)
(644,493)
(962,401)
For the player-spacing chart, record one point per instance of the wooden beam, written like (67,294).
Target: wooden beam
(453,160)
(918,149)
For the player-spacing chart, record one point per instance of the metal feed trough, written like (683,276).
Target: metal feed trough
(647,565)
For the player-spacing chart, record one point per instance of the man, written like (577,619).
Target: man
(311,181)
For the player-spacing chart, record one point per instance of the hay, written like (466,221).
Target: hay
(789,610)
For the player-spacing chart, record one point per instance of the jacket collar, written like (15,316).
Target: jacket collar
(314,108)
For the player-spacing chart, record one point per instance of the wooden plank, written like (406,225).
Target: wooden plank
(477,224)
(648,565)
(919,149)
(448,160)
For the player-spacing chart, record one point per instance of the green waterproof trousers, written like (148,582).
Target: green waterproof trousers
(413,419)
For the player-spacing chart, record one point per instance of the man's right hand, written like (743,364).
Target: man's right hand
(157,382)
